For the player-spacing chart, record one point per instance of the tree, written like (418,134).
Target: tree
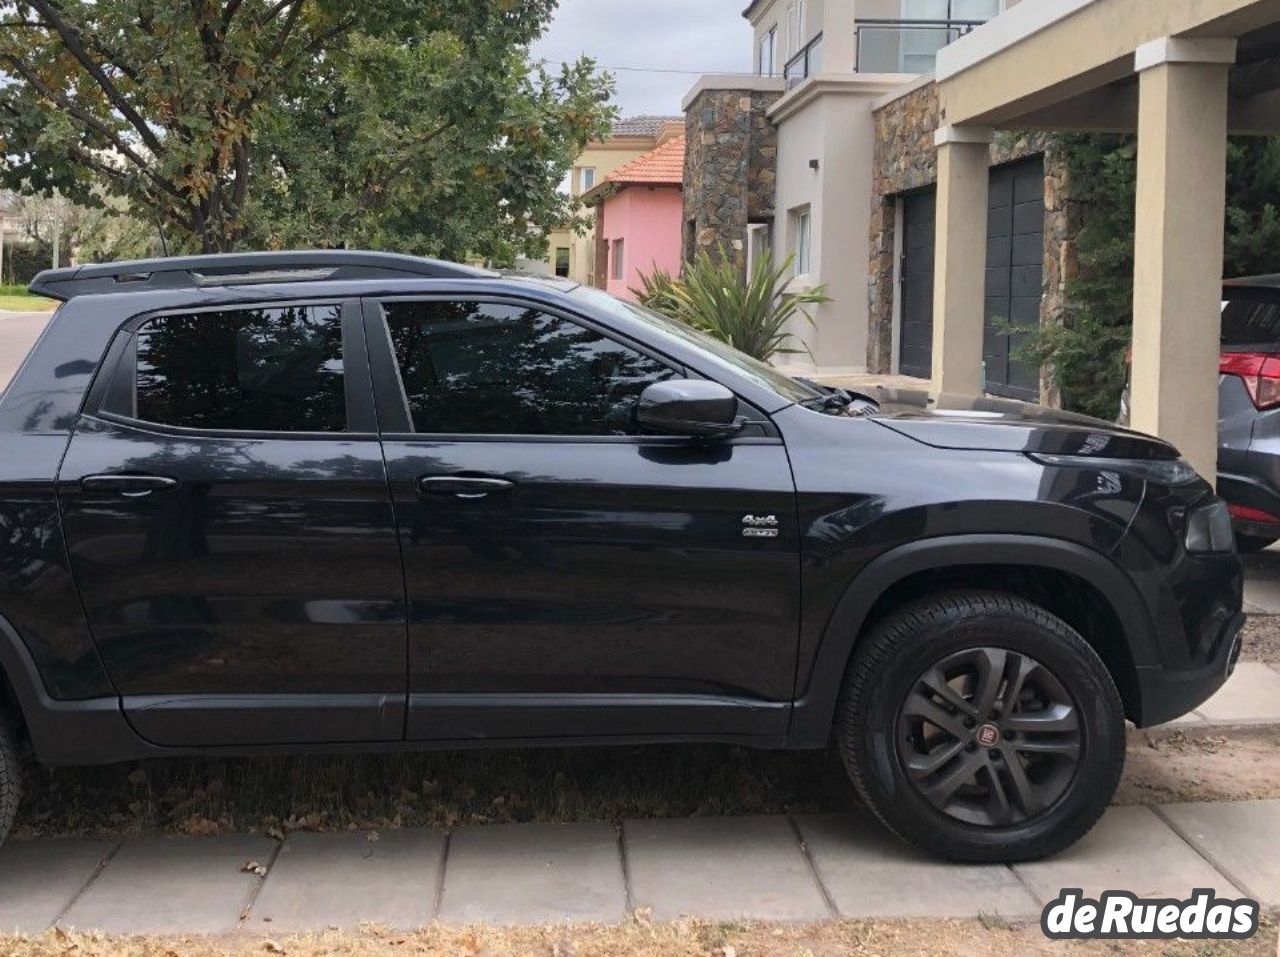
(227,120)
(1086,353)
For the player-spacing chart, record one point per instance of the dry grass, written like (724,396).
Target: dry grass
(918,938)
(446,789)
(208,796)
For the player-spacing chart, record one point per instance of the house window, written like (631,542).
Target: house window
(588,178)
(795,27)
(768,59)
(619,261)
(804,241)
(759,242)
(562,262)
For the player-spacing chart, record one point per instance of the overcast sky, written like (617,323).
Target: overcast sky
(697,36)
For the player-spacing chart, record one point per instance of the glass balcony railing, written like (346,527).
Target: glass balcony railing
(806,63)
(906,46)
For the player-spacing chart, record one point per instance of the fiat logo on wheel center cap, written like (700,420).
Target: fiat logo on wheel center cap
(988,735)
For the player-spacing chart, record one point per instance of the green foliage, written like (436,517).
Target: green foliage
(1253,206)
(1086,353)
(657,291)
(408,124)
(23,261)
(753,316)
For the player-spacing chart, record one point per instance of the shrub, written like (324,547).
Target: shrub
(752,315)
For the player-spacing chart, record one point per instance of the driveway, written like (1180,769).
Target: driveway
(18,333)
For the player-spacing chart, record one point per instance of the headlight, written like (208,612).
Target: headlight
(1156,471)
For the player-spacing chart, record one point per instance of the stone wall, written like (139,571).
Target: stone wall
(905,160)
(730,170)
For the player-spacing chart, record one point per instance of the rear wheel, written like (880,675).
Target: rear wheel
(982,728)
(9,777)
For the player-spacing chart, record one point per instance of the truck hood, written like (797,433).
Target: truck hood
(1004,425)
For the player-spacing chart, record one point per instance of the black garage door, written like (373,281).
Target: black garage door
(915,355)
(1015,272)
(1015,268)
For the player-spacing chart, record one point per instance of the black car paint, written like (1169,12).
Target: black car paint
(611,597)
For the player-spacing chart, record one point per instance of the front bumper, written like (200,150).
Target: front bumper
(1169,693)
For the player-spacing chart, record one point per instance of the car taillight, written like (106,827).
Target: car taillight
(1260,372)
(1256,515)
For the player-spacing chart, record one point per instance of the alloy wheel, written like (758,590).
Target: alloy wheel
(990,737)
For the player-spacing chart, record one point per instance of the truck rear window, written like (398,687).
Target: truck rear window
(1251,317)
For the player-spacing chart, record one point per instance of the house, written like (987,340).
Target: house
(807,127)
(894,148)
(639,216)
(572,253)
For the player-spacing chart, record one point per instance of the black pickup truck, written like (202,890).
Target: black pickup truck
(338,501)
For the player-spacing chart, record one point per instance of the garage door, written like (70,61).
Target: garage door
(1015,269)
(1015,273)
(915,355)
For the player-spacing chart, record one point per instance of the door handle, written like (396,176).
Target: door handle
(463,486)
(130,486)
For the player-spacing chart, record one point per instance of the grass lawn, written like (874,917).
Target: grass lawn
(17,299)
(639,938)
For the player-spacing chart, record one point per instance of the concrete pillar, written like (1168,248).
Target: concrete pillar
(1177,295)
(960,258)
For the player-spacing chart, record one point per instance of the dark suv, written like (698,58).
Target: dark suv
(355,501)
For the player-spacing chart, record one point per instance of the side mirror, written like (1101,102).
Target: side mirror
(693,407)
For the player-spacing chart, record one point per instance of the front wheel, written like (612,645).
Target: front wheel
(9,777)
(981,728)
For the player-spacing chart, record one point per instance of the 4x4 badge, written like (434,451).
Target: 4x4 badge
(760,526)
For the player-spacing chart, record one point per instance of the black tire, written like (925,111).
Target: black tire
(10,777)
(1248,544)
(997,816)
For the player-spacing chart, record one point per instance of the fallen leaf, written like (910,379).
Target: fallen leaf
(253,867)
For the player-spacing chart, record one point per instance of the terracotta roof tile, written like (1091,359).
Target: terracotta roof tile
(664,165)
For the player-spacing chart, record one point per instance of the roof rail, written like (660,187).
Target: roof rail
(232,269)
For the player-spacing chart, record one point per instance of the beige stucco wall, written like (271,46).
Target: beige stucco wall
(830,121)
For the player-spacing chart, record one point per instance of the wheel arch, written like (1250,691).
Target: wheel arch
(90,731)
(984,562)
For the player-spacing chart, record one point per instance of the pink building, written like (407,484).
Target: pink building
(639,218)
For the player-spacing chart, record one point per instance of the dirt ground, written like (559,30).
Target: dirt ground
(1262,639)
(638,938)
(1241,765)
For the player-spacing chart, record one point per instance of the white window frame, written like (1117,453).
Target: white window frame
(767,65)
(586,178)
(795,28)
(803,236)
(759,244)
(618,257)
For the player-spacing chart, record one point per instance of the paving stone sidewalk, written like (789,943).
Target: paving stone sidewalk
(801,868)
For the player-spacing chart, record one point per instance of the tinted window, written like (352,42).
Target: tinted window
(1251,317)
(262,370)
(759,372)
(472,368)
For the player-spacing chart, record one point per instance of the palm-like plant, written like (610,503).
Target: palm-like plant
(754,316)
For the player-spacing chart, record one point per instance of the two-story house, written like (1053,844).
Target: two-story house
(835,133)
(572,253)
